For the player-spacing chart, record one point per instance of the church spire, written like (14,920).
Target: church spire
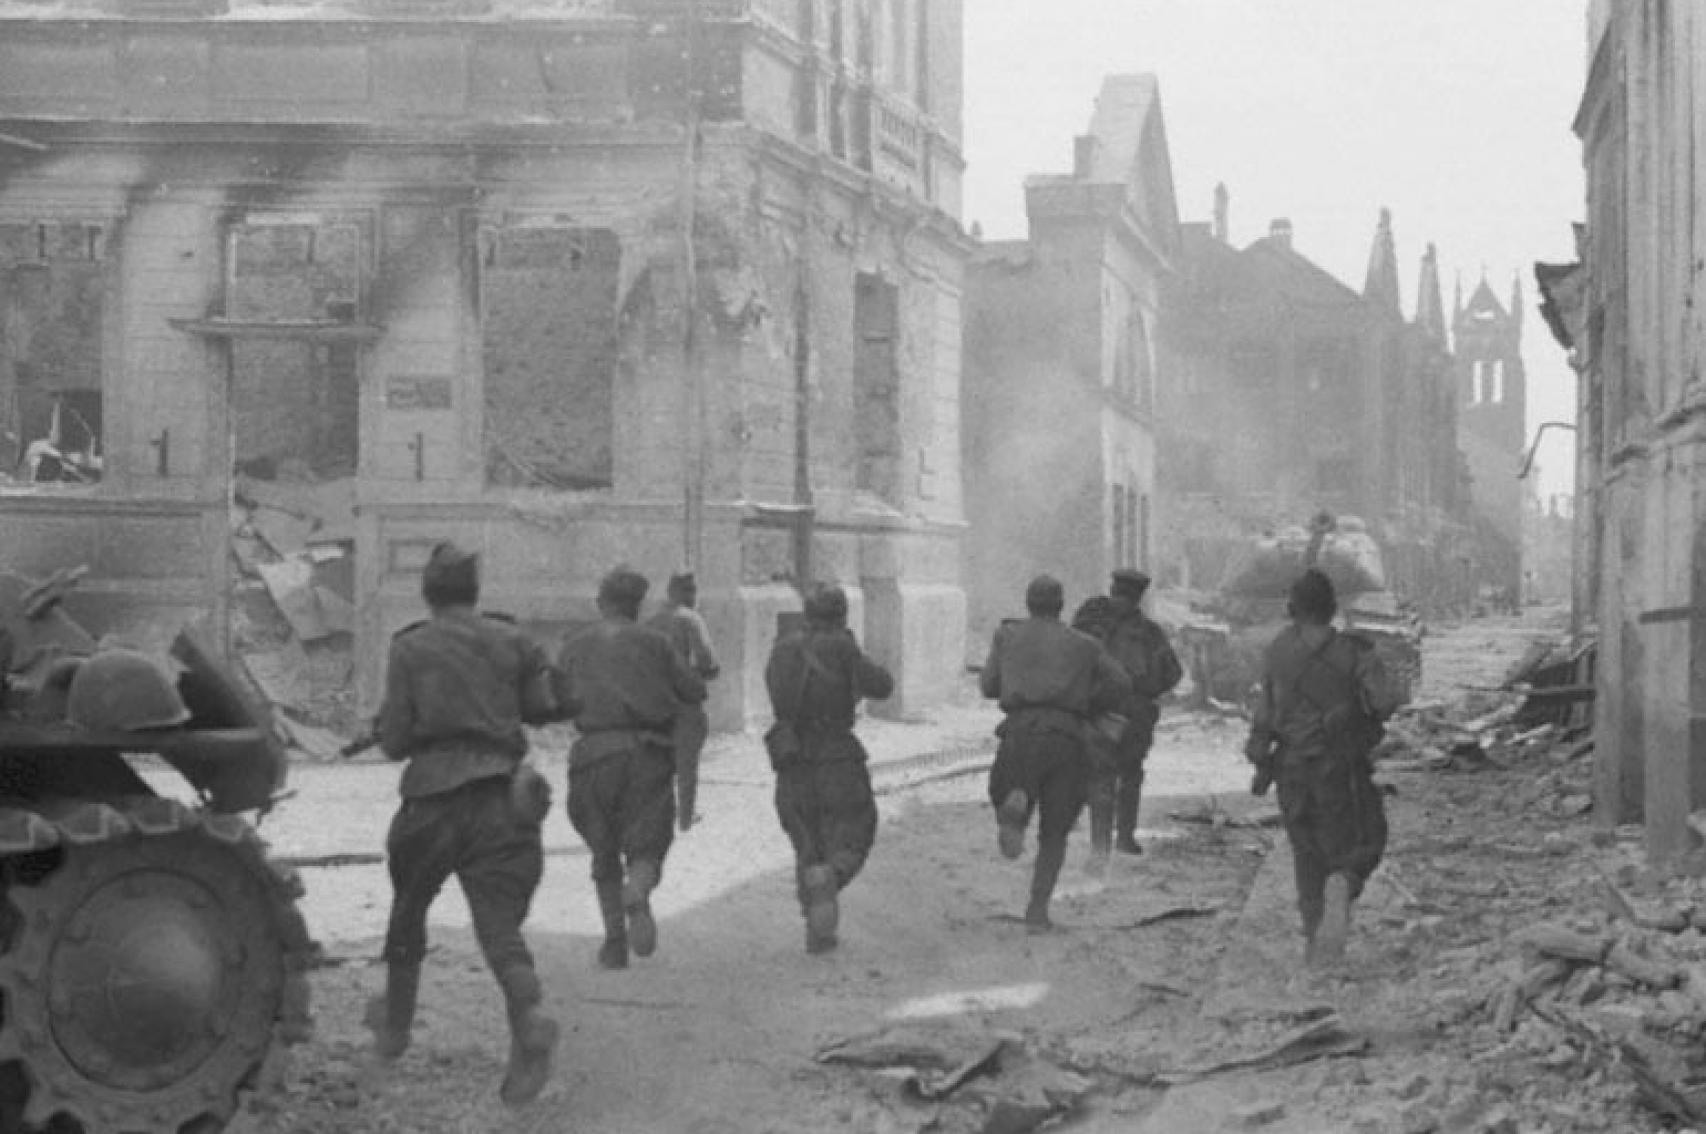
(1516,303)
(1381,286)
(1430,308)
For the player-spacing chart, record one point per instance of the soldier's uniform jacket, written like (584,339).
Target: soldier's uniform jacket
(816,678)
(623,684)
(1136,641)
(1050,676)
(458,688)
(1317,684)
(685,629)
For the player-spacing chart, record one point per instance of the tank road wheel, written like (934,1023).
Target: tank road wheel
(146,971)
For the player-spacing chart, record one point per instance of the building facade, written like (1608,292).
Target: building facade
(1291,393)
(574,282)
(1638,329)
(1061,366)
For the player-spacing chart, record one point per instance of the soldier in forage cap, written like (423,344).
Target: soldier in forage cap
(1323,700)
(816,677)
(1051,682)
(684,626)
(625,687)
(458,689)
(1121,744)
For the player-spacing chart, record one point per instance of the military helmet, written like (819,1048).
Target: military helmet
(123,690)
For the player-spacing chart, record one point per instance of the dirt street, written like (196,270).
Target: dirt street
(1182,960)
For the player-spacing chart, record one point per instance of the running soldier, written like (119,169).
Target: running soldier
(624,686)
(684,626)
(816,678)
(458,689)
(1324,698)
(1121,743)
(1051,681)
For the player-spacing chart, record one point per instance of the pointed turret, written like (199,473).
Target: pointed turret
(1516,303)
(1457,299)
(1430,307)
(1381,286)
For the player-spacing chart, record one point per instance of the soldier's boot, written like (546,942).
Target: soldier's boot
(1101,835)
(1051,856)
(1335,921)
(823,913)
(1125,822)
(1010,819)
(533,1039)
(637,903)
(391,1015)
(613,954)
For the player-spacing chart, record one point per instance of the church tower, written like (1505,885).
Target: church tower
(1492,415)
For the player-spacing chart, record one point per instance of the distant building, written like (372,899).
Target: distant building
(1290,392)
(1493,410)
(1061,366)
(457,263)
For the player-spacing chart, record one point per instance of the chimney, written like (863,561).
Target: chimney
(1084,156)
(1280,232)
(1222,204)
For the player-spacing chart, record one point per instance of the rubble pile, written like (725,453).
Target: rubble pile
(1560,983)
(293,550)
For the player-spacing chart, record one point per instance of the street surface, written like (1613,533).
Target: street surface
(1182,959)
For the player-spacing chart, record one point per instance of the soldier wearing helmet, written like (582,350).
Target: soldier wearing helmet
(458,689)
(816,678)
(1051,681)
(625,686)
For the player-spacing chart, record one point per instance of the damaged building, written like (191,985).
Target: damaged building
(1061,365)
(1290,392)
(1633,316)
(294,291)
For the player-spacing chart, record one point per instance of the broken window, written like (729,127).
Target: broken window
(51,309)
(876,386)
(548,323)
(295,401)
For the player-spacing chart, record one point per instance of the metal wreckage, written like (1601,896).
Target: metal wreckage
(1223,642)
(151,957)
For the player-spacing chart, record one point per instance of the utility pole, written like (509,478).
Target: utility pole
(693,377)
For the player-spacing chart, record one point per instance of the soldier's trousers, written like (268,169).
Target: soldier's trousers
(829,814)
(623,807)
(1051,767)
(1336,823)
(475,833)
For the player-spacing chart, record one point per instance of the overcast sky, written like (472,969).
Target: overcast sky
(1453,113)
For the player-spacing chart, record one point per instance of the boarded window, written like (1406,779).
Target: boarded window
(548,308)
(876,386)
(295,404)
(51,285)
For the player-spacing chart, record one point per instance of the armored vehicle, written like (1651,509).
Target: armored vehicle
(151,957)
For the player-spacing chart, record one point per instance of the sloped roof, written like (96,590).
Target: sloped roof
(1285,269)
(1131,150)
